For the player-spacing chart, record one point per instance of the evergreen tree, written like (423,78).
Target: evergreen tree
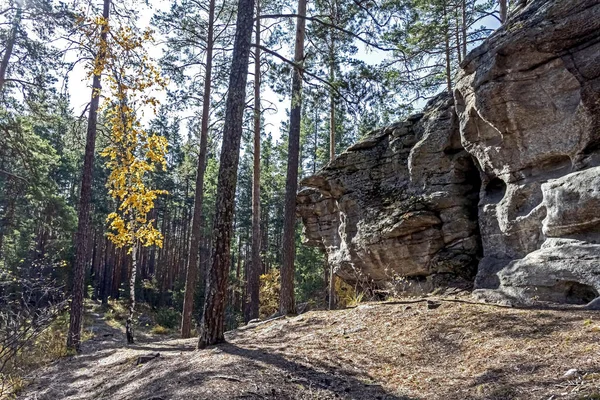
(212,323)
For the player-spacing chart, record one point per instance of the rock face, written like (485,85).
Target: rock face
(528,102)
(504,185)
(402,203)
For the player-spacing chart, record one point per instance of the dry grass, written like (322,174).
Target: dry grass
(373,351)
(160,330)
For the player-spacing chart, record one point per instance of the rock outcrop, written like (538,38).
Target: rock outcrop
(401,203)
(504,182)
(528,102)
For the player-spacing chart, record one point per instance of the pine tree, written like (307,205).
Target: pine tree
(212,322)
(76,313)
(255,269)
(287,304)
(196,234)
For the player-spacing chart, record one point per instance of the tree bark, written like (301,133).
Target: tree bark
(464,28)
(193,261)
(212,323)
(448,50)
(332,135)
(457,36)
(316,140)
(287,304)
(7,221)
(129,323)
(10,44)
(107,270)
(253,276)
(503,5)
(76,314)
(331,101)
(332,156)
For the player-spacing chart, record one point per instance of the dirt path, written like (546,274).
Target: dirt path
(394,352)
(105,335)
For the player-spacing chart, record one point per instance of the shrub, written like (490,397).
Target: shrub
(31,331)
(269,293)
(159,330)
(168,318)
(348,296)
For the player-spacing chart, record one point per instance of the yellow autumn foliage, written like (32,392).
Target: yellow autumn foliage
(269,293)
(132,152)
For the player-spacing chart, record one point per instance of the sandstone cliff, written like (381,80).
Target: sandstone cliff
(504,186)
(528,101)
(402,203)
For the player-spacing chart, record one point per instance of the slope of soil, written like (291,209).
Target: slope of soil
(374,351)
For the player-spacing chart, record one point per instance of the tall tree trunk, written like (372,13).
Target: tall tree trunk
(237,286)
(116,279)
(8,220)
(255,268)
(332,135)
(448,50)
(74,334)
(332,123)
(10,44)
(464,28)
(107,267)
(287,304)
(213,315)
(193,263)
(503,5)
(457,35)
(129,323)
(331,101)
(316,140)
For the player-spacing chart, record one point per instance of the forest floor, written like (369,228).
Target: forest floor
(374,351)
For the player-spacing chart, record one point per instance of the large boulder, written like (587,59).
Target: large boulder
(400,206)
(528,102)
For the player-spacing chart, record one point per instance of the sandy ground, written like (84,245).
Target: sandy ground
(374,351)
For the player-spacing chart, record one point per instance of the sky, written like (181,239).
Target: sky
(79,83)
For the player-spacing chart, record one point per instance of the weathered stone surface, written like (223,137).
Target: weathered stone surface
(566,269)
(400,203)
(528,101)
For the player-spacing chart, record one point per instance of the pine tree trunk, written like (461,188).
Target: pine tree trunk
(7,221)
(316,141)
(457,36)
(331,101)
(287,304)
(332,122)
(74,334)
(448,50)
(238,269)
(255,264)
(464,28)
(196,236)
(107,270)
(10,44)
(503,10)
(212,323)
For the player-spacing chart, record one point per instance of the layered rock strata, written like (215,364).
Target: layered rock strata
(400,204)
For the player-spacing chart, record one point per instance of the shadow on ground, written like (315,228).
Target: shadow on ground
(379,352)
